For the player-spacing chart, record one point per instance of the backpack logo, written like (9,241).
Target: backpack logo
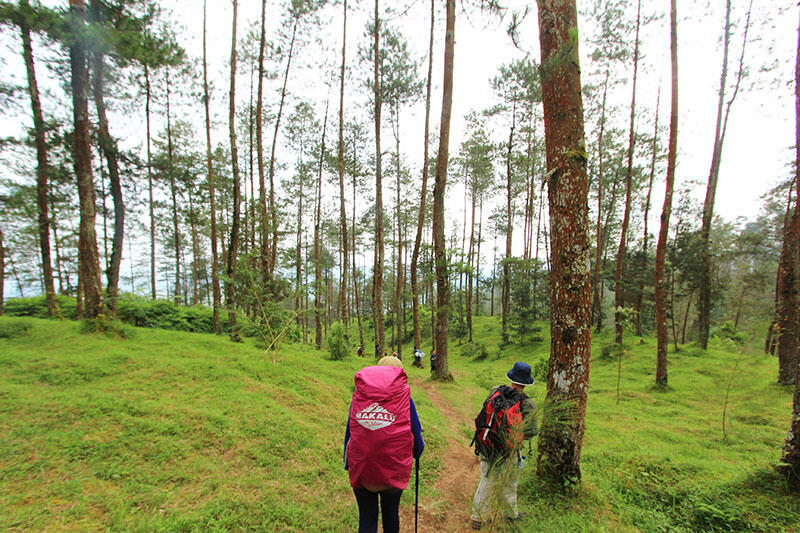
(374,417)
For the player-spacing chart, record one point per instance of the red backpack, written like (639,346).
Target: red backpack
(380,449)
(498,427)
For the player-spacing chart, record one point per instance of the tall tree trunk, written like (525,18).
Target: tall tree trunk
(195,252)
(646,236)
(343,311)
(89,263)
(151,200)
(470,269)
(398,295)
(173,195)
(263,220)
(2,274)
(42,172)
(355,276)
(439,244)
(377,272)
(423,194)
(596,300)
(619,301)
(790,458)
(299,253)
(317,237)
(506,294)
(786,296)
(62,288)
(210,176)
(704,301)
(477,266)
(109,148)
(568,376)
(230,296)
(272,207)
(661,247)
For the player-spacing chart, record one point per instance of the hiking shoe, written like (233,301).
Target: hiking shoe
(476,524)
(519,516)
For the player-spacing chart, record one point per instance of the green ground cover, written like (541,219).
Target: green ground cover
(179,431)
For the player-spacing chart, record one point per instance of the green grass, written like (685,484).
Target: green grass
(174,431)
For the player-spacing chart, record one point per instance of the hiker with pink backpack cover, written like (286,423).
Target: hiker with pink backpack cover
(382,439)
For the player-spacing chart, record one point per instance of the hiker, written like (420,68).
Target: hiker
(418,355)
(507,418)
(360,351)
(434,359)
(382,438)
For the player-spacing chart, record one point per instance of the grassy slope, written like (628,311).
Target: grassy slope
(181,431)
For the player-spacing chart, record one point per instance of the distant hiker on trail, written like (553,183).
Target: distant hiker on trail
(418,355)
(360,351)
(434,359)
(507,418)
(382,438)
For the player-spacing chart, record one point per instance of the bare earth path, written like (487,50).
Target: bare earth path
(457,480)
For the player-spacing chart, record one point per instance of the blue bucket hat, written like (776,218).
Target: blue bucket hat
(520,374)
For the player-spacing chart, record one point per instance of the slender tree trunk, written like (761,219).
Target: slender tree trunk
(477,267)
(230,296)
(299,254)
(506,295)
(263,220)
(646,236)
(439,244)
(661,247)
(210,176)
(790,458)
(317,237)
(173,195)
(686,316)
(596,300)
(343,311)
(62,289)
(355,276)
(2,274)
(42,174)
(377,283)
(559,447)
(89,258)
(398,295)
(704,301)
(423,194)
(151,200)
(195,252)
(471,249)
(619,301)
(109,148)
(272,207)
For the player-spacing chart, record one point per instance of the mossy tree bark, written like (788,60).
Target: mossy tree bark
(568,377)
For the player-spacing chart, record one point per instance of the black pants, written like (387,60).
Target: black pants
(368,510)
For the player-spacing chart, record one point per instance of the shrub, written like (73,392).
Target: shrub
(10,329)
(729,331)
(338,345)
(475,349)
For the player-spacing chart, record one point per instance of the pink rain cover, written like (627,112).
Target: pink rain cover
(379,452)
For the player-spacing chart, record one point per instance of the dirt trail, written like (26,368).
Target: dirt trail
(456,482)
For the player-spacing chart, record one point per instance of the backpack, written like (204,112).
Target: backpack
(498,427)
(379,452)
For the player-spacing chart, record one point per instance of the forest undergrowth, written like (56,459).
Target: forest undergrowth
(177,431)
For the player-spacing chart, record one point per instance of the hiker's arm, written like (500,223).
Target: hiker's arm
(416,430)
(347,436)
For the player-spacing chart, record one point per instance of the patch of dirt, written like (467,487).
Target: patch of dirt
(456,482)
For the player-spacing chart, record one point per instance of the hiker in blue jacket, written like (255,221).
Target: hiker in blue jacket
(501,476)
(368,495)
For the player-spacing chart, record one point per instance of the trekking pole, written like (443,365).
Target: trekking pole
(416,493)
